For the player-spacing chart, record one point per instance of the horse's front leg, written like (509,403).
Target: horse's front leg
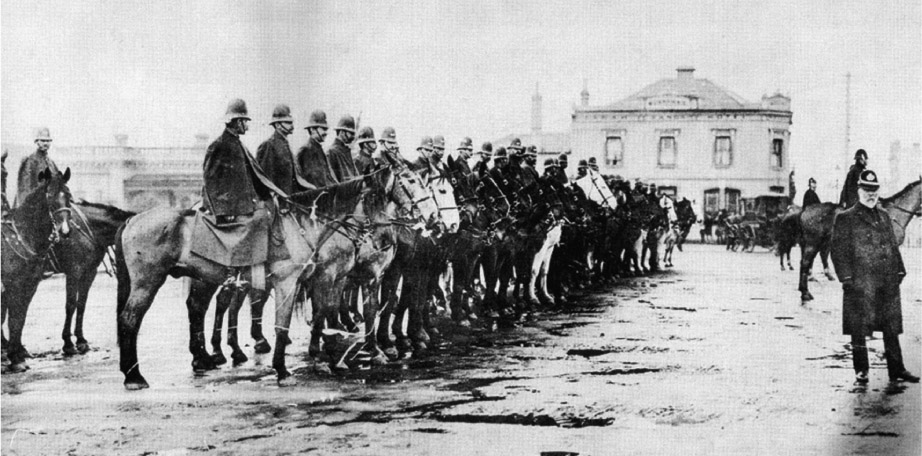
(72,294)
(258,300)
(225,299)
(824,257)
(237,354)
(89,276)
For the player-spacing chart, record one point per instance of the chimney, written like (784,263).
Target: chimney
(685,73)
(121,140)
(536,111)
(201,140)
(584,95)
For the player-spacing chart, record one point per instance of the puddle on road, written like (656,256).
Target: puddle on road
(525,420)
(631,371)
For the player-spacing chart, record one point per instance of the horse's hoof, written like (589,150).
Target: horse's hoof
(782,268)
(806,296)
(69,350)
(287,382)
(18,368)
(83,347)
(135,383)
(790,268)
(391,353)
(262,347)
(201,365)
(239,358)
(218,359)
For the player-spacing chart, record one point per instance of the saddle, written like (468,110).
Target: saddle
(243,242)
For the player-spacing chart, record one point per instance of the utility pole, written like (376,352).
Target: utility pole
(848,129)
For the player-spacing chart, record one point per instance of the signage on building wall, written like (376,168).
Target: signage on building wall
(669,102)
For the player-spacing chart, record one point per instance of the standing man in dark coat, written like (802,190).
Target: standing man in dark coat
(810,197)
(868,262)
(274,155)
(339,154)
(34,164)
(849,195)
(465,149)
(312,161)
(234,182)
(364,163)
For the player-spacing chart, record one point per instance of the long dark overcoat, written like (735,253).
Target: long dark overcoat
(364,164)
(868,262)
(341,161)
(29,169)
(234,182)
(274,156)
(314,165)
(810,198)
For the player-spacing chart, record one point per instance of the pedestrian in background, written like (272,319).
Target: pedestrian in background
(869,265)
(810,196)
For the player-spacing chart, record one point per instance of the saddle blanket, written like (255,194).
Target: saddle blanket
(243,242)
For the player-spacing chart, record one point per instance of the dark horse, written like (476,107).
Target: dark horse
(79,255)
(816,225)
(28,233)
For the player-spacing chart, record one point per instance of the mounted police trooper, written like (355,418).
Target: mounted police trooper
(849,195)
(529,175)
(482,167)
(582,168)
(313,163)
(593,164)
(31,166)
(339,153)
(421,164)
(551,168)
(499,171)
(810,196)
(274,154)
(390,147)
(465,150)
(439,169)
(234,183)
(364,162)
(561,175)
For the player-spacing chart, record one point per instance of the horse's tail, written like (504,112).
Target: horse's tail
(121,273)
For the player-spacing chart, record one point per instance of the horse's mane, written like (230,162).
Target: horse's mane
(111,211)
(336,198)
(908,188)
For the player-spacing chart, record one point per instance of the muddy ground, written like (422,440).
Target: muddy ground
(716,356)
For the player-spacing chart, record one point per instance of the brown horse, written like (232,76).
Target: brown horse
(816,226)
(41,218)
(79,256)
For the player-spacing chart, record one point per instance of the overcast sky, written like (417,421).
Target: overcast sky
(163,71)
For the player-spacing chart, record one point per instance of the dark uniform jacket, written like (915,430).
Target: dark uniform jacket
(29,169)
(234,182)
(560,176)
(868,262)
(314,166)
(422,167)
(810,198)
(274,156)
(364,164)
(482,168)
(528,176)
(341,161)
(463,166)
(849,194)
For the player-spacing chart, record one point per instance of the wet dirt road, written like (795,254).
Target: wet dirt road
(714,357)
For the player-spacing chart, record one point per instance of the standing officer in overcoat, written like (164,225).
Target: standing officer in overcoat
(312,161)
(34,164)
(339,153)
(868,262)
(274,154)
(234,182)
(849,195)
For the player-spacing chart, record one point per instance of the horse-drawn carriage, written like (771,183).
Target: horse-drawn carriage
(756,224)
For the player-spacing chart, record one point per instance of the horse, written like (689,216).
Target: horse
(79,257)
(786,235)
(31,229)
(816,225)
(157,243)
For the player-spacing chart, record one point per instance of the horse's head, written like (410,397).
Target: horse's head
(57,199)
(414,201)
(444,195)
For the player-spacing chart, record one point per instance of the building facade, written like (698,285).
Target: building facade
(131,178)
(691,138)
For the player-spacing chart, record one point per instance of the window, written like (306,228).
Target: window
(712,201)
(723,152)
(733,201)
(667,152)
(777,153)
(776,189)
(614,150)
(669,191)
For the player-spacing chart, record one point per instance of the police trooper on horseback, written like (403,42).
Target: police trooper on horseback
(31,166)
(849,195)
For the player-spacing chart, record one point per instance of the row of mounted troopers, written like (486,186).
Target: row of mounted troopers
(369,240)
